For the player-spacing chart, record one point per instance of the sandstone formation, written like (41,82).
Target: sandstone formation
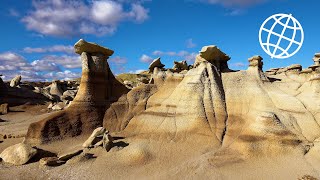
(91,48)
(18,154)
(156,63)
(15,81)
(56,89)
(98,89)
(180,66)
(225,117)
(107,141)
(4,108)
(213,55)
(93,137)
(316,59)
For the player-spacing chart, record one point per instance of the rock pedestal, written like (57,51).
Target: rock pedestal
(316,59)
(98,89)
(215,56)
(256,62)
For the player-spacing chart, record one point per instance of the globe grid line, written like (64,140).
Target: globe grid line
(277,21)
(283,37)
(280,38)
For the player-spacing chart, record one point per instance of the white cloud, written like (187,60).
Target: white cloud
(14,13)
(146,59)
(185,55)
(238,65)
(62,75)
(11,61)
(118,64)
(64,60)
(137,71)
(235,3)
(118,60)
(69,18)
(190,43)
(13,64)
(40,65)
(55,48)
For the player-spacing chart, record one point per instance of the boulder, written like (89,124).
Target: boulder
(314,67)
(59,106)
(93,137)
(69,95)
(15,81)
(155,63)
(69,155)
(143,79)
(256,61)
(180,66)
(213,55)
(50,161)
(92,48)
(296,67)
(56,89)
(107,141)
(18,154)
(4,108)
(316,59)
(308,70)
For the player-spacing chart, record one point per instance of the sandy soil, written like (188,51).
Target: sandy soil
(143,157)
(135,158)
(17,121)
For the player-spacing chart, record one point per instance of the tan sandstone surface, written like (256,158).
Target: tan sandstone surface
(207,122)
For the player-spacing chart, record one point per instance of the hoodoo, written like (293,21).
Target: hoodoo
(98,89)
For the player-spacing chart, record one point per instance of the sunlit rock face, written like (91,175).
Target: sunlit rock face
(98,89)
(249,112)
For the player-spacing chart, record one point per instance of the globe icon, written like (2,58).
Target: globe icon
(281,36)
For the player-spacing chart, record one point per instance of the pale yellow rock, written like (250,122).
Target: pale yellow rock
(15,81)
(316,59)
(213,55)
(97,132)
(18,154)
(83,46)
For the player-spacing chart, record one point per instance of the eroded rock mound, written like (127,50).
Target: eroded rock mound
(98,89)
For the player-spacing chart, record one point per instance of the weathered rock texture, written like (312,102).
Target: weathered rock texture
(244,114)
(213,55)
(18,154)
(15,81)
(98,89)
(156,63)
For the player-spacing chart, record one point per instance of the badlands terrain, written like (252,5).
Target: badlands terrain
(196,121)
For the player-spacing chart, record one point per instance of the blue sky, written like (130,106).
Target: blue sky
(37,36)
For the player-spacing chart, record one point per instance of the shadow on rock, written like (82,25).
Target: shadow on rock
(121,144)
(41,154)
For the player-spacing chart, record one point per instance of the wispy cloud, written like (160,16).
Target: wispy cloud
(235,3)
(69,18)
(183,55)
(62,75)
(118,63)
(238,65)
(146,59)
(55,48)
(190,43)
(14,13)
(13,64)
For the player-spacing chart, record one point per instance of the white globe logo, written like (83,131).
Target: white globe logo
(281,36)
